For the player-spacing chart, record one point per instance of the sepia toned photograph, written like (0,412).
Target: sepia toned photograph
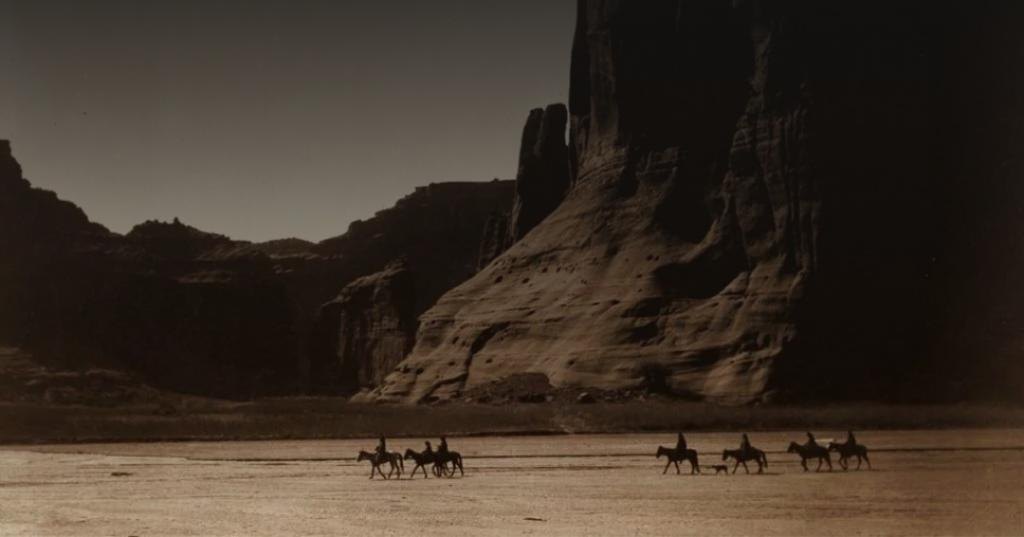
(487,268)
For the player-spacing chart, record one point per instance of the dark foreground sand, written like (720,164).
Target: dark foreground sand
(924,483)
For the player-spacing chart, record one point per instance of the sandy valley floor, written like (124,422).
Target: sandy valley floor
(923,483)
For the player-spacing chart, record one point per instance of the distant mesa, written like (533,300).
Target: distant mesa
(198,312)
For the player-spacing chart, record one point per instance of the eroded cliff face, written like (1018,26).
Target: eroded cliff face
(369,328)
(768,200)
(542,180)
(197,312)
(543,175)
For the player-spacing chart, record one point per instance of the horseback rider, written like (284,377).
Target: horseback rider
(429,450)
(810,440)
(442,448)
(382,448)
(680,443)
(850,440)
(745,445)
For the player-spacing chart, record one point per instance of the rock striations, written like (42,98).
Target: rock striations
(768,200)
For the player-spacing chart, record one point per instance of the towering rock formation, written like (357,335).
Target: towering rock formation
(542,180)
(768,199)
(543,175)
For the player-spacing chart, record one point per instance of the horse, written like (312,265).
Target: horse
(422,460)
(675,455)
(741,456)
(393,459)
(813,451)
(850,450)
(442,458)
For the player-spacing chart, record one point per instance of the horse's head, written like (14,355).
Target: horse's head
(725,454)
(409,453)
(661,451)
(792,447)
(832,446)
(363,456)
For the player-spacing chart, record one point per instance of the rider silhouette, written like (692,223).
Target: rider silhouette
(382,447)
(429,449)
(680,443)
(443,446)
(810,440)
(850,440)
(745,444)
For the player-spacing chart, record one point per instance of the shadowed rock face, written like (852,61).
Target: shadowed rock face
(543,176)
(541,181)
(768,200)
(369,327)
(198,312)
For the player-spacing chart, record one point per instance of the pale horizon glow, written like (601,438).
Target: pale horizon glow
(272,119)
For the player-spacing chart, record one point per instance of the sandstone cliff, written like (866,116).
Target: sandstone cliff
(768,200)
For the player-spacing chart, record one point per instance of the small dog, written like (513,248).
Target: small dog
(719,468)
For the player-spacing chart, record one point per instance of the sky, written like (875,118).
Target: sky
(271,119)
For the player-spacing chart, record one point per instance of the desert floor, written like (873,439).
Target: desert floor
(924,482)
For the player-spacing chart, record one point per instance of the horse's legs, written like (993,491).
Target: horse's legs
(736,466)
(867,459)
(843,463)
(760,468)
(858,461)
(828,459)
(747,469)
(372,467)
(677,466)
(818,469)
(667,464)
(803,462)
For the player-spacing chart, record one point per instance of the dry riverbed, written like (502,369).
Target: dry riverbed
(924,482)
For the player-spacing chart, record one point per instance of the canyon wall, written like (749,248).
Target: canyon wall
(198,312)
(769,201)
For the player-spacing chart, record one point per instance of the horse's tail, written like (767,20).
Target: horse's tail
(764,459)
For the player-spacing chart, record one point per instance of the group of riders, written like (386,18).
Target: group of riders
(438,460)
(442,448)
(745,446)
(442,457)
(746,452)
